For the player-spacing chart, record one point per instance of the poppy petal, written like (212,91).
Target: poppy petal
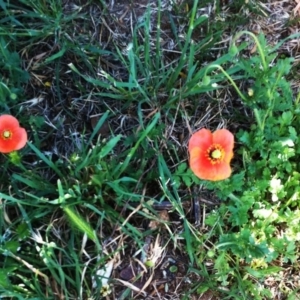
(204,169)
(5,147)
(21,138)
(201,139)
(8,121)
(225,139)
(222,171)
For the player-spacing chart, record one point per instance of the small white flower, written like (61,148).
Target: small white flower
(275,188)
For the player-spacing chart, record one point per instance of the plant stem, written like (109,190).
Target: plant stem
(228,77)
(260,50)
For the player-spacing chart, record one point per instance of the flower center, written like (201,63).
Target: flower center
(6,135)
(215,154)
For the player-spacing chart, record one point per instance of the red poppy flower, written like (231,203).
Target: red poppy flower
(211,153)
(12,136)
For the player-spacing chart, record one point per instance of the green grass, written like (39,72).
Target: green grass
(109,99)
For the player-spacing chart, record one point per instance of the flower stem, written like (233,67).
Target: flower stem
(234,198)
(260,50)
(228,77)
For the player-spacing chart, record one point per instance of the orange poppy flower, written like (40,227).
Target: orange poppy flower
(12,136)
(211,153)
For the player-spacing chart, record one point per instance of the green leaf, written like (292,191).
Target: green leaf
(78,222)
(287,118)
(261,273)
(109,146)
(45,159)
(244,137)
(144,134)
(211,219)
(93,81)
(293,133)
(98,126)
(239,214)
(222,267)
(22,231)
(187,180)
(4,281)
(59,54)
(181,168)
(12,246)
(233,50)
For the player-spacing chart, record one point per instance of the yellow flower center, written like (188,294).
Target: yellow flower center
(215,154)
(6,134)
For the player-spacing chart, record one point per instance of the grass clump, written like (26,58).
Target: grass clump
(102,200)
